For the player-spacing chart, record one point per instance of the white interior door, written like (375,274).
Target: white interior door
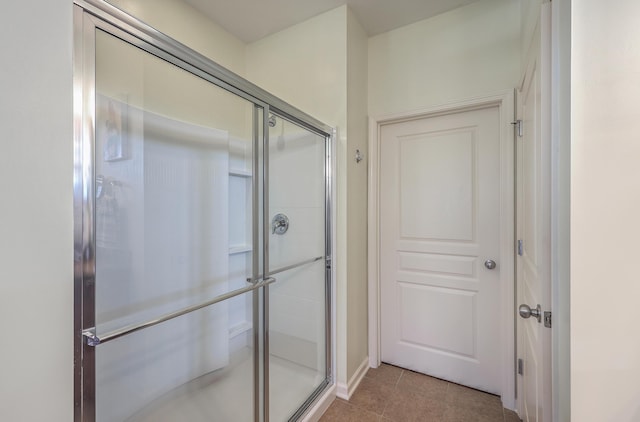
(439,224)
(534,227)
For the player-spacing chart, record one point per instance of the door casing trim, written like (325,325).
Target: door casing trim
(505,103)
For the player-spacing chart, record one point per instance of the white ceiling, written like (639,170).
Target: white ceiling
(251,20)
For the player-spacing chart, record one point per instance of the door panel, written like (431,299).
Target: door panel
(431,158)
(533,270)
(297,307)
(162,234)
(439,223)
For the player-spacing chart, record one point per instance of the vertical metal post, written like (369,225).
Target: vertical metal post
(78,110)
(265,254)
(515,234)
(328,177)
(84,205)
(255,267)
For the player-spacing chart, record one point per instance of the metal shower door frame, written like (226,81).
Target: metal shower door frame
(89,16)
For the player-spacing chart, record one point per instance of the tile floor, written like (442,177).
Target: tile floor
(392,394)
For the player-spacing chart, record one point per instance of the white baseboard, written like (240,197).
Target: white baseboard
(321,406)
(346,391)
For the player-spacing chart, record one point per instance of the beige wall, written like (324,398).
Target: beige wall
(357,317)
(529,16)
(561,176)
(468,52)
(305,65)
(187,25)
(36,215)
(605,204)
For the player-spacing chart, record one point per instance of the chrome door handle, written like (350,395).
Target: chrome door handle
(490,264)
(525,312)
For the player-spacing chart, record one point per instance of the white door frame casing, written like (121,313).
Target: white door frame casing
(505,103)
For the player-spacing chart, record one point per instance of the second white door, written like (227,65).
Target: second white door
(440,246)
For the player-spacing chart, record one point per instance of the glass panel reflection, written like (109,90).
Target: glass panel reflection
(173,220)
(167,147)
(179,370)
(297,309)
(297,342)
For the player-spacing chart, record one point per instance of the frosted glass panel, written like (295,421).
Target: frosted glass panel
(172,372)
(297,338)
(163,147)
(297,307)
(162,185)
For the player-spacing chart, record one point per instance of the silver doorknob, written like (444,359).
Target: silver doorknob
(525,311)
(490,264)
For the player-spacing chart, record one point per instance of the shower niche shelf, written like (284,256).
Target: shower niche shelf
(237,249)
(240,172)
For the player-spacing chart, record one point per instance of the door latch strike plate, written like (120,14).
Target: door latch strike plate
(547,319)
(520,367)
(518,126)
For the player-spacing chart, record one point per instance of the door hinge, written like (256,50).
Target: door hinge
(547,319)
(520,247)
(520,367)
(518,127)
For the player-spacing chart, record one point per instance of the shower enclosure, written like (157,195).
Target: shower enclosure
(202,236)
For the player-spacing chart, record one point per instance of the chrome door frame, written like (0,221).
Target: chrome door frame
(90,15)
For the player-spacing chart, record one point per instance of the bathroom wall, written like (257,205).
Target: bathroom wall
(561,138)
(605,203)
(357,173)
(465,53)
(36,214)
(187,25)
(529,16)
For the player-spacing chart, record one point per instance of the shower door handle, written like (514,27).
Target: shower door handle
(92,338)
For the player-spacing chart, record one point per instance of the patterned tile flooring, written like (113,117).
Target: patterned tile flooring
(392,394)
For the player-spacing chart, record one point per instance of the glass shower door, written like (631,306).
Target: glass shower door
(201,240)
(168,148)
(298,247)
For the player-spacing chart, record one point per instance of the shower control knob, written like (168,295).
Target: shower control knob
(279,224)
